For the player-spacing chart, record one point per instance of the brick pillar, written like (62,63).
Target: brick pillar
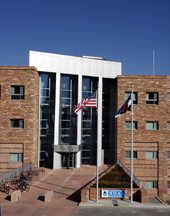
(162,169)
(85,195)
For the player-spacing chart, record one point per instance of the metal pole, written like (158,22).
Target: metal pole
(131,185)
(153,62)
(97,169)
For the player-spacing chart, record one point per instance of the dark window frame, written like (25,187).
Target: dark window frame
(17,92)
(128,125)
(153,98)
(17,123)
(128,154)
(135,97)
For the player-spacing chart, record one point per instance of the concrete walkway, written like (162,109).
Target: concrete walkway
(66,184)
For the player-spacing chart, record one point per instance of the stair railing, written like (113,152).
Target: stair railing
(135,179)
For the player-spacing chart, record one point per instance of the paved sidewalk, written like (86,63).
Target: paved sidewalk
(66,185)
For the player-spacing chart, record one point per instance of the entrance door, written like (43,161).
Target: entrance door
(68,160)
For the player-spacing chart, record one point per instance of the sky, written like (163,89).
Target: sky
(125,31)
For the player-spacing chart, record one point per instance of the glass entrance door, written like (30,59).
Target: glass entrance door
(68,160)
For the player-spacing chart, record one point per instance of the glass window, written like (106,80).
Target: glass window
(168,96)
(86,132)
(151,125)
(168,154)
(168,184)
(128,154)
(15,157)
(65,101)
(86,124)
(44,81)
(86,113)
(135,97)
(65,124)
(65,82)
(17,123)
(65,94)
(128,125)
(152,98)
(151,184)
(151,155)
(17,92)
(86,84)
(86,95)
(168,125)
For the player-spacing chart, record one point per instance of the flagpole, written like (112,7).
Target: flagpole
(131,187)
(97,165)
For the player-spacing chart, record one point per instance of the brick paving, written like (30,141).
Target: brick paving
(65,183)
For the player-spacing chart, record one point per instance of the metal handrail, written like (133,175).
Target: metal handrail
(137,181)
(11,174)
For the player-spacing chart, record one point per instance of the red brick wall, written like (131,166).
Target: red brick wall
(145,140)
(26,109)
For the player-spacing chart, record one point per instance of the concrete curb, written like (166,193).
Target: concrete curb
(108,203)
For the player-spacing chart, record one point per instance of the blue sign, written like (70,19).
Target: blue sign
(114,193)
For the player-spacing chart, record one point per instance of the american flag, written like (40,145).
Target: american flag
(91,101)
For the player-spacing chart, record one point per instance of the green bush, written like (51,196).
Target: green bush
(117,178)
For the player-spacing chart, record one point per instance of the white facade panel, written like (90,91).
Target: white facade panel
(79,66)
(72,66)
(64,65)
(94,67)
(40,62)
(83,66)
(56,64)
(49,63)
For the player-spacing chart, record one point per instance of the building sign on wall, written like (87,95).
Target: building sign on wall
(67,148)
(114,193)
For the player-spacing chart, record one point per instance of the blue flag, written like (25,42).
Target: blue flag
(126,106)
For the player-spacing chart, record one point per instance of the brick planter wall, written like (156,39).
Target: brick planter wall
(139,194)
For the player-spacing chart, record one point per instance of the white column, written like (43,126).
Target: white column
(99,121)
(38,153)
(79,121)
(57,156)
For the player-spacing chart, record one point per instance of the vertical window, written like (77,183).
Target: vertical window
(151,185)
(135,97)
(168,184)
(128,154)
(168,96)
(17,92)
(128,125)
(168,125)
(151,155)
(168,154)
(151,125)
(69,94)
(152,98)
(89,123)
(46,118)
(15,157)
(17,123)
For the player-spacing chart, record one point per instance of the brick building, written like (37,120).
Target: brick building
(151,135)
(19,116)
(38,125)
